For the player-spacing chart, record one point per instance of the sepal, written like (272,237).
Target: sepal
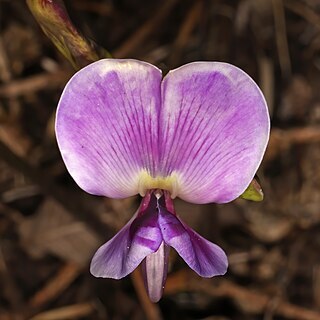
(254,191)
(55,22)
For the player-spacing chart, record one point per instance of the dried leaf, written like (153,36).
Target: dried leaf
(52,229)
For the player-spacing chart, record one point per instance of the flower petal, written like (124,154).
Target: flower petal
(118,257)
(155,269)
(202,256)
(107,125)
(214,128)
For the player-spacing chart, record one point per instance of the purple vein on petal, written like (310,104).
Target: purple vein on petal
(197,135)
(204,257)
(116,142)
(224,136)
(112,155)
(101,125)
(201,140)
(205,168)
(130,136)
(112,140)
(179,136)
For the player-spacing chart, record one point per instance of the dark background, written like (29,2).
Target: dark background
(49,228)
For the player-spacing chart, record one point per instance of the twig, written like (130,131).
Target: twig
(10,289)
(299,135)
(34,83)
(19,192)
(281,37)
(66,275)
(103,9)
(185,31)
(281,140)
(256,302)
(129,46)
(151,310)
(5,73)
(8,132)
(304,11)
(74,311)
(267,80)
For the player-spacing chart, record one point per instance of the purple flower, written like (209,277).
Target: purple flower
(198,134)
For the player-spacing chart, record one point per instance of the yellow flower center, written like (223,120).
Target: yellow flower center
(169,183)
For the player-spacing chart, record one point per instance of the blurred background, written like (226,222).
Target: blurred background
(49,228)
